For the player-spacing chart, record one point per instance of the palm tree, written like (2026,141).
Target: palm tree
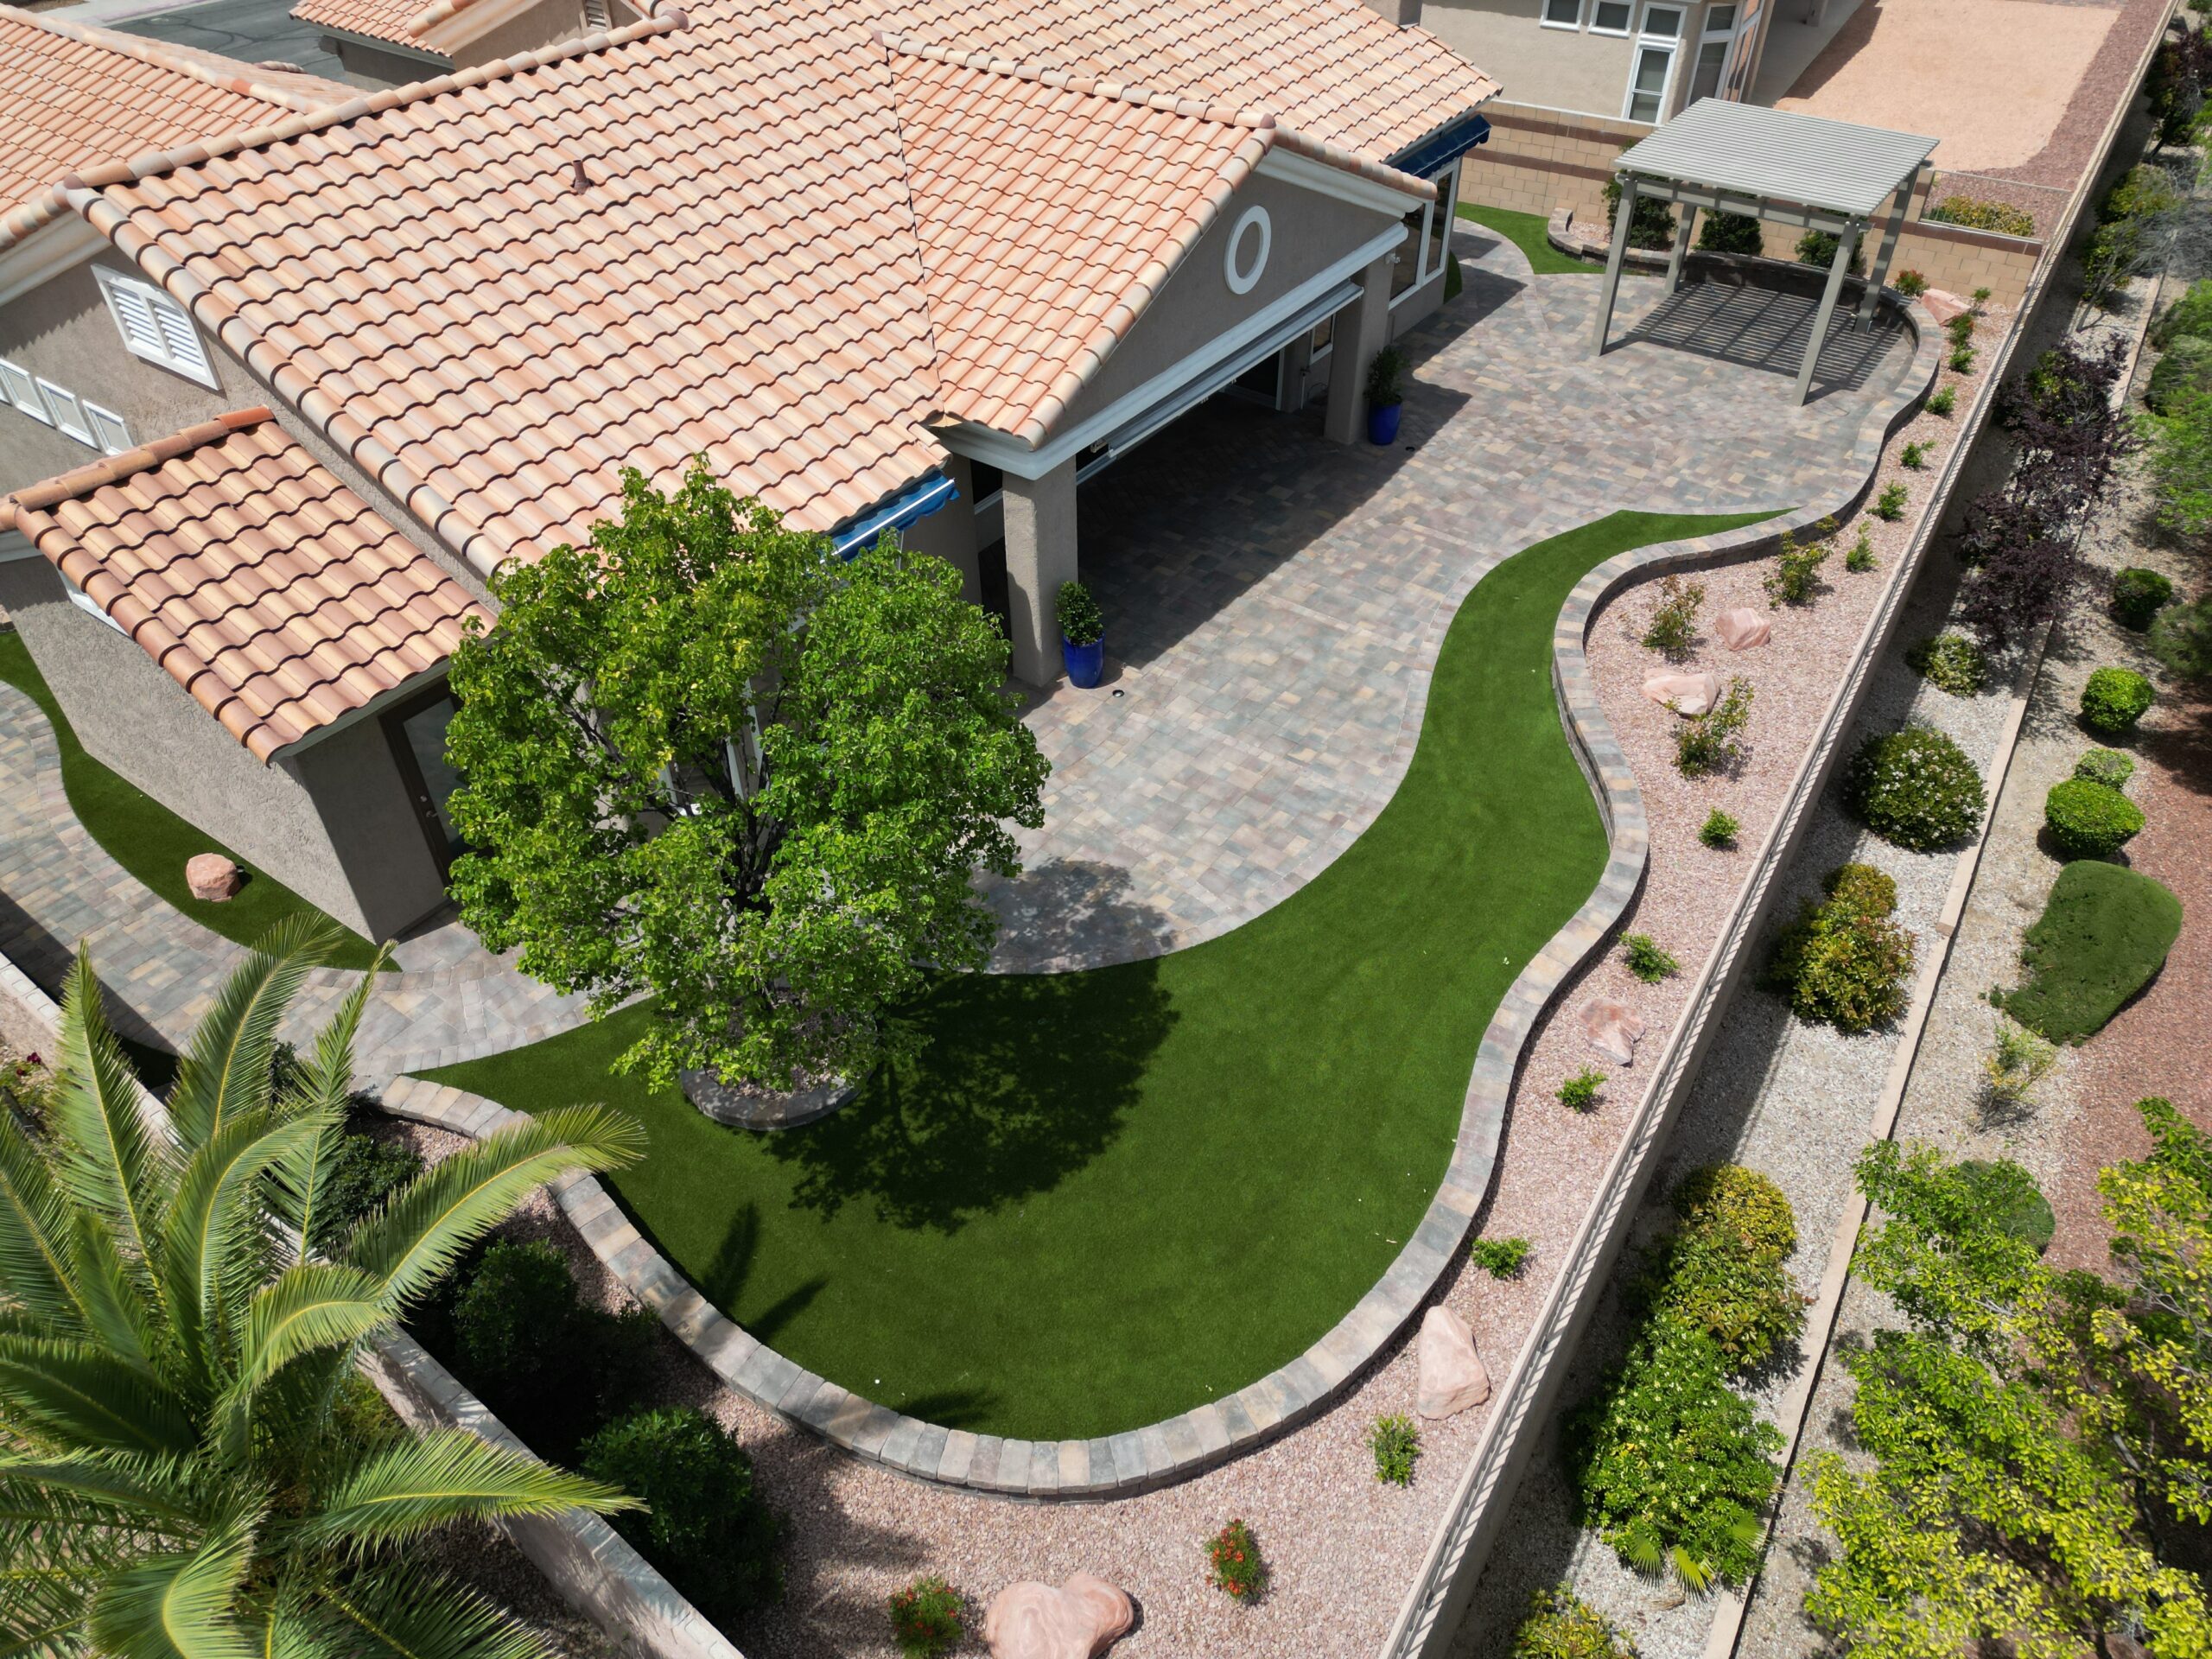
(190,1464)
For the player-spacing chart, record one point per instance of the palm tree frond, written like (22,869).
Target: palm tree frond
(316,1304)
(325,1085)
(152,1493)
(409,1613)
(177,1606)
(226,1070)
(414,1486)
(109,1157)
(427,1223)
(112,1292)
(33,1235)
(74,1397)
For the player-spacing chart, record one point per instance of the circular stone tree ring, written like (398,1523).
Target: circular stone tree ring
(748,1106)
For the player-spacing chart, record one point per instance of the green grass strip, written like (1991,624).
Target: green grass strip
(1526,232)
(151,842)
(1104,1197)
(2102,937)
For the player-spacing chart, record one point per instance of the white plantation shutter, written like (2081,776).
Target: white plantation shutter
(22,392)
(108,429)
(68,414)
(154,327)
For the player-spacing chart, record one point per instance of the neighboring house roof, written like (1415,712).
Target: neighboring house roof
(72,94)
(274,595)
(1051,210)
(376,20)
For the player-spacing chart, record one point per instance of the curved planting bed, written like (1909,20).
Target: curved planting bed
(1110,1200)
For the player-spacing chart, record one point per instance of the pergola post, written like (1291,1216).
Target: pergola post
(1623,215)
(1844,244)
(1877,275)
(1686,217)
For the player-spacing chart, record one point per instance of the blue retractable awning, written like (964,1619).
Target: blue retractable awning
(915,501)
(1424,158)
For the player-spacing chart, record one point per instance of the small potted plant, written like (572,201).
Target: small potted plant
(1082,634)
(1386,395)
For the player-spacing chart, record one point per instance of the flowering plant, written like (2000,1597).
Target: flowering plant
(1235,1554)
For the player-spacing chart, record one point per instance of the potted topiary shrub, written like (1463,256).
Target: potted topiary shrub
(1082,634)
(1386,395)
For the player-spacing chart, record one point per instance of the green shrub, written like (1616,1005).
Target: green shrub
(925,1619)
(1977,214)
(364,1174)
(2103,934)
(513,1314)
(1730,1201)
(2143,192)
(1561,1625)
(1944,400)
(1889,506)
(2114,699)
(1844,961)
(1749,1305)
(2185,367)
(1234,1555)
(1916,789)
(2016,1062)
(1796,574)
(1396,1444)
(2009,1200)
(1501,1258)
(1652,228)
(1961,360)
(1951,662)
(2189,314)
(1860,558)
(704,1525)
(2181,465)
(1081,621)
(1580,1092)
(1910,283)
(2107,766)
(1723,232)
(1818,248)
(1646,960)
(1959,329)
(2138,596)
(1914,455)
(1674,622)
(2182,639)
(1718,831)
(2114,252)
(1708,743)
(2090,820)
(1386,378)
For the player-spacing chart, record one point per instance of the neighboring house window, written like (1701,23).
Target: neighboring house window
(1325,335)
(1712,53)
(1611,17)
(1562,14)
(68,414)
(154,327)
(1651,68)
(108,430)
(23,393)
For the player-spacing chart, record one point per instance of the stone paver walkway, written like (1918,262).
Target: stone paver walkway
(450,1001)
(1274,603)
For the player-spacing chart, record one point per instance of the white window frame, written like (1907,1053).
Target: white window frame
(167,337)
(19,390)
(1544,15)
(1647,41)
(1425,273)
(1626,31)
(95,415)
(68,413)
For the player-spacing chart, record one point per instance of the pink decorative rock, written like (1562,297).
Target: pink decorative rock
(1451,1374)
(1742,628)
(1611,1029)
(212,877)
(1943,305)
(1686,693)
(1080,1620)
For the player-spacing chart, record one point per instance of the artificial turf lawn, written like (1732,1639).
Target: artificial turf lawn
(151,842)
(1102,1198)
(2103,934)
(1526,231)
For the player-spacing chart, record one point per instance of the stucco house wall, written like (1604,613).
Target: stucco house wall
(1555,68)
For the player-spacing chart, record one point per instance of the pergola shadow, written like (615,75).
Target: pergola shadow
(1766,329)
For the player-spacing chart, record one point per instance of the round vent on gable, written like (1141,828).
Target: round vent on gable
(1248,250)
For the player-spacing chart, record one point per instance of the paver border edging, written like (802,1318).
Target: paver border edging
(1163,1454)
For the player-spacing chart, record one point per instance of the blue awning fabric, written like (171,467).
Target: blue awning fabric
(1426,158)
(918,500)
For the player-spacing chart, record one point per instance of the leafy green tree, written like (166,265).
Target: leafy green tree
(190,1465)
(708,762)
(2181,463)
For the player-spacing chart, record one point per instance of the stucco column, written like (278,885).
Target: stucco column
(1362,328)
(1040,556)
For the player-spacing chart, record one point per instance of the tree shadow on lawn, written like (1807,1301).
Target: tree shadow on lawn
(1019,1081)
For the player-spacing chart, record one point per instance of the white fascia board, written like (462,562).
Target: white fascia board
(1340,183)
(1010,454)
(46,252)
(13,545)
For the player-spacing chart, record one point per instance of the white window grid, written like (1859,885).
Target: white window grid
(68,413)
(22,390)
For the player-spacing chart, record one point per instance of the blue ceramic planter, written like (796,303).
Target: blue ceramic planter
(1383,423)
(1084,662)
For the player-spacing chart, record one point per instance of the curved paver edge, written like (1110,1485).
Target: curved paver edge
(1163,1454)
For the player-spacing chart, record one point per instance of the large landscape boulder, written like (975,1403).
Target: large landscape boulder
(212,877)
(1080,1619)
(1742,628)
(1452,1377)
(1686,693)
(1611,1028)
(1943,305)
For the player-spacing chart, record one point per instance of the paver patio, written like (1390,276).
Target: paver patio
(1274,603)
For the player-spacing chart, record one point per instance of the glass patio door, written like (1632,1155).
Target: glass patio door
(416,732)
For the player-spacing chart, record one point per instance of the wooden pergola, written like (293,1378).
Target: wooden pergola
(1800,170)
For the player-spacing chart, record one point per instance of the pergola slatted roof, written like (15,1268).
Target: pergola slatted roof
(1781,156)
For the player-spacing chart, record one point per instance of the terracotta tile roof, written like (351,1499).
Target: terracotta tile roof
(1052,209)
(379,20)
(272,592)
(72,95)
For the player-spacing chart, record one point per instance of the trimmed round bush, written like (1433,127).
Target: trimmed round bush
(2107,766)
(1951,662)
(514,1315)
(1916,789)
(2138,596)
(2090,820)
(704,1525)
(1729,233)
(1747,1305)
(1740,1203)
(1861,889)
(2012,1201)
(2114,699)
